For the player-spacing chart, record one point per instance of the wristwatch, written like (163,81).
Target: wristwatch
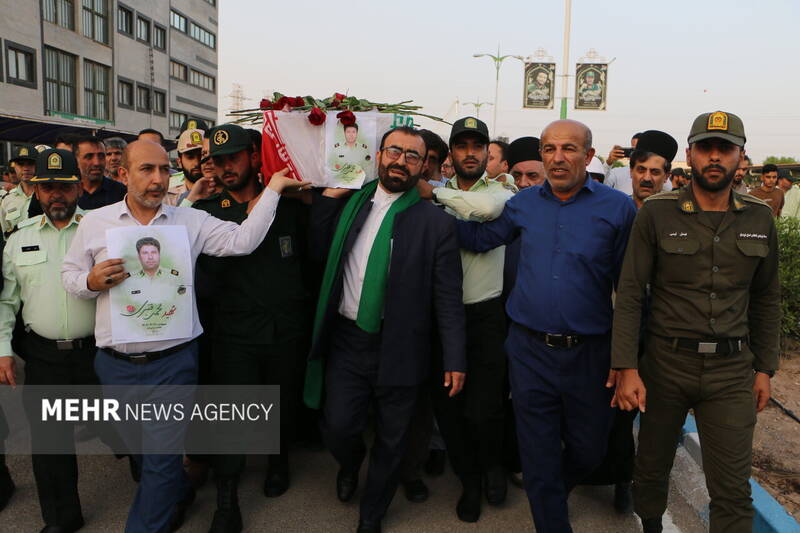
(770,373)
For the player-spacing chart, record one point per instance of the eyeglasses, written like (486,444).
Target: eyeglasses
(393,154)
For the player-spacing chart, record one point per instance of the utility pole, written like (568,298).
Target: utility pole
(565,77)
(477,105)
(498,61)
(237,97)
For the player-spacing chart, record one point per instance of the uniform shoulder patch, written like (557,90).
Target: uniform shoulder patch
(668,195)
(749,198)
(38,219)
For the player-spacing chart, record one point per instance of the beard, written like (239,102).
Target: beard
(704,183)
(150,203)
(59,214)
(461,172)
(242,180)
(393,184)
(194,174)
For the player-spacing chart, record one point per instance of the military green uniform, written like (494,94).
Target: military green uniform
(259,327)
(714,319)
(343,154)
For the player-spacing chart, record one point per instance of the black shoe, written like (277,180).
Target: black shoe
(416,490)
(346,485)
(6,487)
(365,527)
(516,479)
(622,498)
(277,483)
(496,485)
(75,525)
(468,508)
(227,517)
(434,466)
(652,525)
(180,510)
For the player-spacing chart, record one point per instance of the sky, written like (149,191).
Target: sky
(672,60)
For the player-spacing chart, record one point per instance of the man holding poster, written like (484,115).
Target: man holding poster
(90,270)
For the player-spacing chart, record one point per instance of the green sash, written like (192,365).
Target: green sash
(370,306)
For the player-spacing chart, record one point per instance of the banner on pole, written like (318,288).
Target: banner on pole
(591,80)
(539,85)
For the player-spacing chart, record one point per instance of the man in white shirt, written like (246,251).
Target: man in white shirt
(620,177)
(88,272)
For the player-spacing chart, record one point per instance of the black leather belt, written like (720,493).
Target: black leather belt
(711,346)
(555,340)
(144,357)
(63,344)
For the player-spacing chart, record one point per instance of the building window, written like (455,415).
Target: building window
(95,20)
(125,90)
(200,34)
(176,118)
(212,2)
(143,98)
(177,70)
(20,65)
(159,37)
(61,12)
(96,81)
(143,29)
(177,21)
(204,81)
(125,20)
(159,102)
(59,80)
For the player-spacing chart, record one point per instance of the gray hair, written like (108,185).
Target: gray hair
(115,142)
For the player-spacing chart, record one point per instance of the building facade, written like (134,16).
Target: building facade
(107,66)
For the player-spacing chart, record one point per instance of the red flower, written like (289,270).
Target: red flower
(282,102)
(265,104)
(339,96)
(347,118)
(317,116)
(298,101)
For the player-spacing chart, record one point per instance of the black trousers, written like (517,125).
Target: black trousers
(472,422)
(351,378)
(261,364)
(56,475)
(419,436)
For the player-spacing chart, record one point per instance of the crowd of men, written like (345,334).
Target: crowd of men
(511,307)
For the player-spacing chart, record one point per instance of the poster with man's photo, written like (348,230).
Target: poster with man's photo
(154,303)
(591,80)
(539,85)
(350,151)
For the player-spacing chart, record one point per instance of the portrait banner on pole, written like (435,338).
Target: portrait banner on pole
(539,85)
(591,80)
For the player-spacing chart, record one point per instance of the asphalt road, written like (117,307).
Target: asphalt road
(310,505)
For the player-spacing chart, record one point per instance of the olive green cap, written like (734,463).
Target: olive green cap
(718,125)
(228,139)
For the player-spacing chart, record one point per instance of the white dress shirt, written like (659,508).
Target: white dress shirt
(355,265)
(207,234)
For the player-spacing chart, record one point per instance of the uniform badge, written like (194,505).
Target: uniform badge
(688,206)
(336,145)
(286,246)
(196,138)
(368,157)
(54,162)
(181,290)
(136,292)
(717,121)
(173,272)
(23,151)
(220,137)
(470,123)
(78,217)
(33,248)
(191,125)
(225,203)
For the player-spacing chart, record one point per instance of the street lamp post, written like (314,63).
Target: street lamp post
(498,60)
(565,82)
(477,105)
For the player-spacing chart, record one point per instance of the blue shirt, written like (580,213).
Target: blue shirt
(570,257)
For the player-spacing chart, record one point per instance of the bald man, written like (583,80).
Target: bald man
(574,231)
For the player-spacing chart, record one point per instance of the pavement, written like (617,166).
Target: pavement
(310,505)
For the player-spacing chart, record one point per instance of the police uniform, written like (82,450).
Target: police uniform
(260,316)
(343,154)
(14,205)
(714,319)
(58,346)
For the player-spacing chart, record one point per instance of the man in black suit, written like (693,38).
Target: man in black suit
(393,270)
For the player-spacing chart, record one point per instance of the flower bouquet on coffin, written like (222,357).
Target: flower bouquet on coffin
(331,142)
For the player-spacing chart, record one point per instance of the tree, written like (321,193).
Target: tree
(779,160)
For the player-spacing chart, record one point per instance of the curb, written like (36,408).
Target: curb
(770,516)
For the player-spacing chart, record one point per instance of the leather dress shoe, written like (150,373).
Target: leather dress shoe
(6,487)
(622,498)
(276,483)
(346,485)
(366,527)
(468,508)
(652,525)
(434,466)
(496,485)
(416,490)
(180,510)
(66,528)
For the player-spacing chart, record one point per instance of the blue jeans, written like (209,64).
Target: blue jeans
(163,481)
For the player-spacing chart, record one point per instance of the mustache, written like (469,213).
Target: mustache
(155,188)
(400,168)
(470,160)
(714,167)
(646,183)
